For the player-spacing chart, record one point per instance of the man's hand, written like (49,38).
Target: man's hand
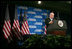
(50,22)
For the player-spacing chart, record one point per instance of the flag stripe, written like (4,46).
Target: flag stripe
(27,27)
(5,34)
(23,31)
(24,28)
(6,29)
(18,28)
(45,29)
(16,25)
(7,26)
(8,34)
(15,31)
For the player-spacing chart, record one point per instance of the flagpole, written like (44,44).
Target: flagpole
(5,18)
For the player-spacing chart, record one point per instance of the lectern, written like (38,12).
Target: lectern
(59,27)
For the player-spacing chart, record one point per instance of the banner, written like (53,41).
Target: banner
(35,19)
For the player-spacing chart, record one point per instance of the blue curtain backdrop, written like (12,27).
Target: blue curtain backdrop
(35,17)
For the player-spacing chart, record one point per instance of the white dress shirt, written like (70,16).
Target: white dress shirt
(51,19)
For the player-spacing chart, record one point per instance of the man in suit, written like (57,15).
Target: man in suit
(49,20)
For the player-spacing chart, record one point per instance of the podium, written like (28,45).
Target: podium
(59,27)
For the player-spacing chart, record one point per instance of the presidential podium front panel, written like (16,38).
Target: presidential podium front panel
(58,27)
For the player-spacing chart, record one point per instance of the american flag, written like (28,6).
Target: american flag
(16,26)
(7,26)
(45,30)
(25,27)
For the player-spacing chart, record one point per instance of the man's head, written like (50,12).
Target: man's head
(51,15)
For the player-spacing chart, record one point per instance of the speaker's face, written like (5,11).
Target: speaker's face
(51,15)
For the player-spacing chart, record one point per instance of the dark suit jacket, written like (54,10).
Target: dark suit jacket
(47,20)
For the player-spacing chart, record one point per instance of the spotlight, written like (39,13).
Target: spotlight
(39,2)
